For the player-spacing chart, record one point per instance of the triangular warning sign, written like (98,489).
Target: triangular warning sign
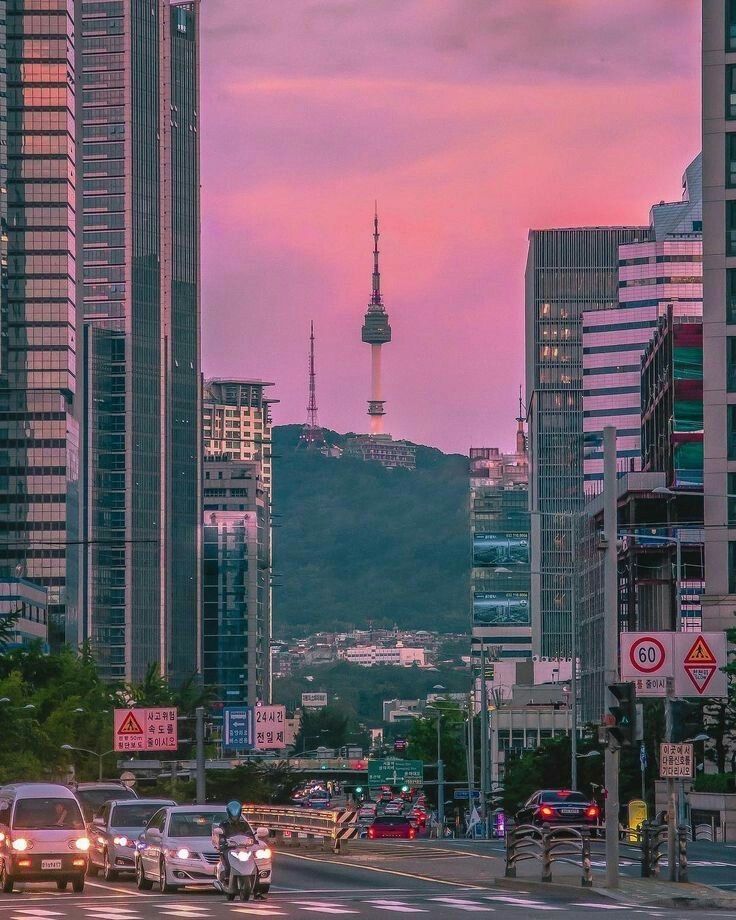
(130,726)
(700,676)
(700,654)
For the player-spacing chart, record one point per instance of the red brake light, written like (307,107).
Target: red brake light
(412,832)
(546,811)
(371,832)
(592,812)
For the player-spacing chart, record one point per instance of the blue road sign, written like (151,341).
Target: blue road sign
(465,794)
(237,727)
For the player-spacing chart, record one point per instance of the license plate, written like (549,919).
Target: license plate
(570,811)
(50,864)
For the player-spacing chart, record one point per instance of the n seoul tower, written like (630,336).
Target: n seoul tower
(376,332)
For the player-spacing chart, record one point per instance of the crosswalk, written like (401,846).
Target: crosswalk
(285,905)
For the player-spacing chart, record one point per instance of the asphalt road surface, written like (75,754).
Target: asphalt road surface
(319,886)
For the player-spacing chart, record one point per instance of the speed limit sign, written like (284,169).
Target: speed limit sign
(646,655)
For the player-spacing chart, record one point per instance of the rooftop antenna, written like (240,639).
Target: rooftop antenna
(312,435)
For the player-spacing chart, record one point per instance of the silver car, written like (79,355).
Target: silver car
(114,833)
(176,850)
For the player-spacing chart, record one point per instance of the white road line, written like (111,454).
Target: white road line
(256,911)
(462,904)
(521,902)
(605,906)
(322,907)
(38,912)
(399,907)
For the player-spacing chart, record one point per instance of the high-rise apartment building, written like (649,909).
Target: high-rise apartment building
(500,573)
(139,165)
(719,311)
(569,272)
(661,271)
(39,433)
(236,594)
(237,422)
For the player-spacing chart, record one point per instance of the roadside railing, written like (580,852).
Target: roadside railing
(297,826)
(549,845)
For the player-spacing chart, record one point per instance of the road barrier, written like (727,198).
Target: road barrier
(549,845)
(305,826)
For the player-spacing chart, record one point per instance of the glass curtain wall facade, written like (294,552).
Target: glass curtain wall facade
(140,162)
(569,272)
(236,613)
(39,433)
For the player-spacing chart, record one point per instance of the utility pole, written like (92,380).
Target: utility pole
(440,779)
(484,758)
(671,791)
(471,751)
(574,654)
(610,657)
(201,773)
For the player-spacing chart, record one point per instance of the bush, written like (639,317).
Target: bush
(715,782)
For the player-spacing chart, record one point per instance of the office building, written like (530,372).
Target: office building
(719,310)
(381,448)
(500,569)
(569,272)
(661,271)
(236,595)
(399,656)
(237,422)
(26,603)
(39,388)
(139,161)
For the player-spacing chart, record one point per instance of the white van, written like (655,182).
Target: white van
(42,836)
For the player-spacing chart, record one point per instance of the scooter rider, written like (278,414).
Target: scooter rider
(234,825)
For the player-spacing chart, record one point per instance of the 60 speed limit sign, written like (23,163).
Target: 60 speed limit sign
(646,655)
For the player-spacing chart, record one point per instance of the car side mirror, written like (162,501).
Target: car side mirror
(154,832)
(98,821)
(262,833)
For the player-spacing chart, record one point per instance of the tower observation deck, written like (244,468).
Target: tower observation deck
(376,332)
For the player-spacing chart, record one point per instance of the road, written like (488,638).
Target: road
(391,880)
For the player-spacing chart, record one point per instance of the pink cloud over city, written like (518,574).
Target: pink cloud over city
(470,121)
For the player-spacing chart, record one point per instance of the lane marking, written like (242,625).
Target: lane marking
(323,907)
(605,906)
(285,892)
(399,907)
(127,891)
(462,904)
(419,878)
(263,911)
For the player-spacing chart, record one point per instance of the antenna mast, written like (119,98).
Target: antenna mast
(312,435)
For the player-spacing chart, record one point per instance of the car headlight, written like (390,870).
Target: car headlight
(120,841)
(21,844)
(265,853)
(82,844)
(242,855)
(182,853)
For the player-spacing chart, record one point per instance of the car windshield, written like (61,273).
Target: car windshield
(561,797)
(137,814)
(35,814)
(194,823)
(92,800)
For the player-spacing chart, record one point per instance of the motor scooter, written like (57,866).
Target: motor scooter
(237,872)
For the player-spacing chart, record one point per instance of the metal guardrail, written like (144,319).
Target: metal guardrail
(549,845)
(294,824)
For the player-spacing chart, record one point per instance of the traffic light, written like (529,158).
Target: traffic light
(624,714)
(404,788)
(687,719)
(359,790)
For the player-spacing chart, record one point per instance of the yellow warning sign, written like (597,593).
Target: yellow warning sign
(130,726)
(700,653)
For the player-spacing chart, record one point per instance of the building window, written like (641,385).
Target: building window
(732,499)
(730,160)
(731,228)
(731,431)
(731,91)
(730,25)
(731,363)
(731,295)
(732,566)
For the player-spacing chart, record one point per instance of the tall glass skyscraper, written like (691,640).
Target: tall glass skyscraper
(39,434)
(569,271)
(140,214)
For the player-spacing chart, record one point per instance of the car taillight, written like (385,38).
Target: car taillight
(546,811)
(371,832)
(592,812)
(412,833)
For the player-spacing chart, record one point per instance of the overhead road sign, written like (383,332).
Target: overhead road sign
(393,771)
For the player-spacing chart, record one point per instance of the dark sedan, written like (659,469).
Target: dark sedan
(559,806)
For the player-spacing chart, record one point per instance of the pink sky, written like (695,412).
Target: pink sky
(470,121)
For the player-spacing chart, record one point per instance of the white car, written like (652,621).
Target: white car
(176,850)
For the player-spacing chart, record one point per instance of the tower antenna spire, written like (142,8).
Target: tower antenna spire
(312,435)
(376,288)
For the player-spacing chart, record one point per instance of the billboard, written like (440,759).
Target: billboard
(501,608)
(501,548)
(314,700)
(269,725)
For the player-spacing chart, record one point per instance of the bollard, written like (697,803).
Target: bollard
(645,852)
(510,864)
(587,880)
(682,854)
(546,855)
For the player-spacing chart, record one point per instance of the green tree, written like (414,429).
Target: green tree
(422,743)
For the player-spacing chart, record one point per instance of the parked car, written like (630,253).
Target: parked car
(558,806)
(114,833)
(392,826)
(42,836)
(92,796)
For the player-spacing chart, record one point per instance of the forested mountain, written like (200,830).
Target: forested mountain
(356,544)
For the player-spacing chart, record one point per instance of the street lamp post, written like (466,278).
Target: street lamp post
(440,772)
(99,755)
